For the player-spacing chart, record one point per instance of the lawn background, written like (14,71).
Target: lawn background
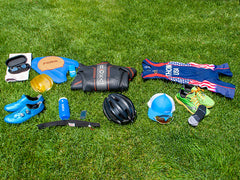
(123,33)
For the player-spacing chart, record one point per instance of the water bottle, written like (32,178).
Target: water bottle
(72,70)
(64,112)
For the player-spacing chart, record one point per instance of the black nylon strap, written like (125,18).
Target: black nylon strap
(72,123)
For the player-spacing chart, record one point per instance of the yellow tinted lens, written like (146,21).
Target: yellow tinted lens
(41,83)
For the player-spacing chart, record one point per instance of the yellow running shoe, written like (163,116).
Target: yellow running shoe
(189,101)
(202,98)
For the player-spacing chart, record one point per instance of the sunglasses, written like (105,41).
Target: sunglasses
(163,119)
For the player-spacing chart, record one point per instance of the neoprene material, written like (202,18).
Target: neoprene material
(103,77)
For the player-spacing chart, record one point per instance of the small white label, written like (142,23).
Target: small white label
(71,124)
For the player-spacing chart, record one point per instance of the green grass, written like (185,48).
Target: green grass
(123,33)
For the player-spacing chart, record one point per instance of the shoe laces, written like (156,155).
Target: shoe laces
(194,100)
(198,92)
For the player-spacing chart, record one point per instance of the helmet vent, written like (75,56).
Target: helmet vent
(121,116)
(111,104)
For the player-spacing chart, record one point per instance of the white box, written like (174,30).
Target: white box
(23,76)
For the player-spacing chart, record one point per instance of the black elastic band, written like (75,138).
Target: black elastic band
(72,123)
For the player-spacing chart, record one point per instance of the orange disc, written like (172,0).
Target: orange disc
(50,62)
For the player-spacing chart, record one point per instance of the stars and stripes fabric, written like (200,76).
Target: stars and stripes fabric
(202,75)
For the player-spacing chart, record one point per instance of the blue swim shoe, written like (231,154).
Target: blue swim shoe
(22,102)
(28,111)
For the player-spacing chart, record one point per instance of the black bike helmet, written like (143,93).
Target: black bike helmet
(119,109)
